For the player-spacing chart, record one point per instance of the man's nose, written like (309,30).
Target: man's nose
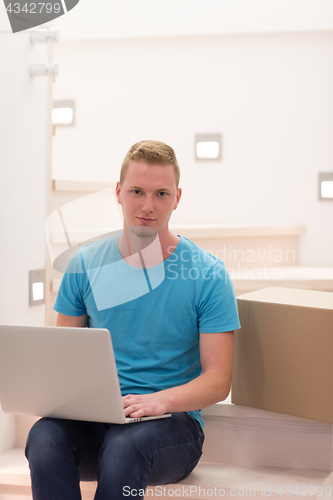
(148,204)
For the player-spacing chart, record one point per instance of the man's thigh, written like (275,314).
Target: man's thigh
(168,449)
(50,439)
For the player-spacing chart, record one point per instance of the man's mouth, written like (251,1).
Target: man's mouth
(145,220)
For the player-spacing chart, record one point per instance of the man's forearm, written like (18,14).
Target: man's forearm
(201,392)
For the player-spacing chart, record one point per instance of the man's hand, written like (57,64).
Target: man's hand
(144,405)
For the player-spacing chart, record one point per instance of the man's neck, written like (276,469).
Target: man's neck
(148,251)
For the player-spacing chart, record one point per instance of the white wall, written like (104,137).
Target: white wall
(24,115)
(268,94)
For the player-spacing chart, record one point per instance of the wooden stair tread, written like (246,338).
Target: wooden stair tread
(14,471)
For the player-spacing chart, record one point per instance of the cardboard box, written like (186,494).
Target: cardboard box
(283,358)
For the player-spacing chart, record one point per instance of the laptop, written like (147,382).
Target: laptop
(61,372)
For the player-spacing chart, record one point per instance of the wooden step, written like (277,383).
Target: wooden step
(237,434)
(15,478)
(249,280)
(240,435)
(209,481)
(206,481)
(244,246)
(311,278)
(247,452)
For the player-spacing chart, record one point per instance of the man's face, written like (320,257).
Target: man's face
(148,196)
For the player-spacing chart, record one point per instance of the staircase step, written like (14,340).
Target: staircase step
(15,478)
(247,452)
(206,481)
(14,469)
(248,436)
(209,481)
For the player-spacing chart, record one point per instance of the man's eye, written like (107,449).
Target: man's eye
(162,194)
(136,191)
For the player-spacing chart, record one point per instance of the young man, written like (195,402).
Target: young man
(172,338)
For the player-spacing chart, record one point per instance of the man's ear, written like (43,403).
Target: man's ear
(179,194)
(118,189)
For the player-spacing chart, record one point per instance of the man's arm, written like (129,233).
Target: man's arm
(216,354)
(63,320)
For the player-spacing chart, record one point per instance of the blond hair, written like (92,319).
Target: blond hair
(152,153)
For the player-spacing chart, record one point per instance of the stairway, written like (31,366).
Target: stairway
(247,453)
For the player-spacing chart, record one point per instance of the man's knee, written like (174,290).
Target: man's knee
(45,440)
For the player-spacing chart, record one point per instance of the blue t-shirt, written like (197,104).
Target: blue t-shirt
(154,315)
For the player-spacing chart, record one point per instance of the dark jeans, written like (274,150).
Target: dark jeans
(120,457)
